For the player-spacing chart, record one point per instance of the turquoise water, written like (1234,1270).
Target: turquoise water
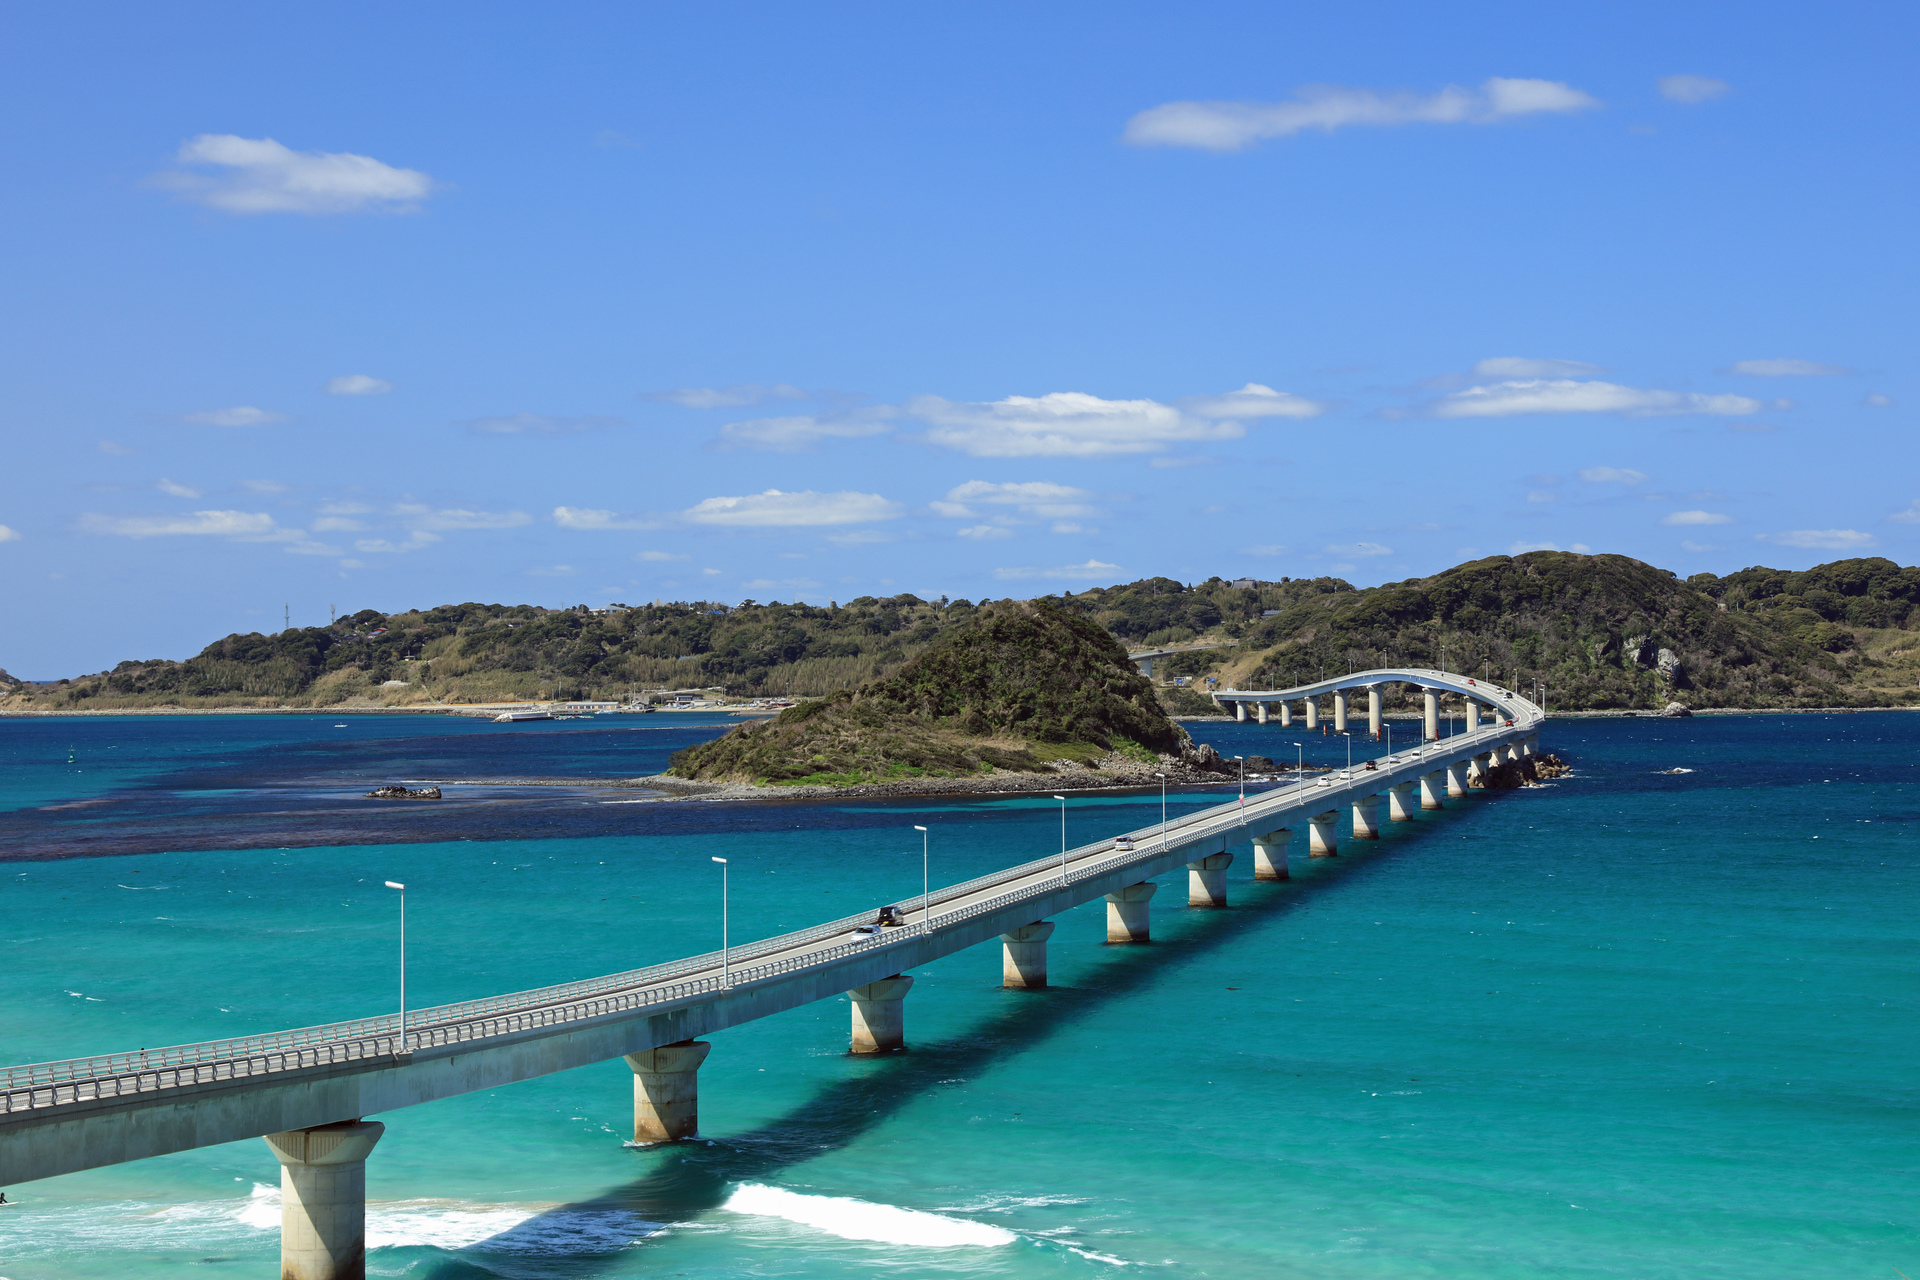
(1634,1024)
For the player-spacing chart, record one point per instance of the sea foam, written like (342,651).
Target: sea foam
(852,1219)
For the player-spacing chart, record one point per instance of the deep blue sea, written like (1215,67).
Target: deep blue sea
(1633,1024)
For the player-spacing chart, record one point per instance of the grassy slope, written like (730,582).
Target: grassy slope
(1020,684)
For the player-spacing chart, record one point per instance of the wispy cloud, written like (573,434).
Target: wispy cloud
(1878,401)
(167,486)
(111,449)
(1910,516)
(538,424)
(1529,367)
(1253,401)
(1521,548)
(588,518)
(1090,571)
(1566,395)
(217,524)
(803,431)
(1696,517)
(1692,89)
(985,532)
(553,571)
(656,557)
(460,518)
(1062,424)
(258,175)
(1040,499)
(1613,475)
(241,415)
(1233,126)
(774,509)
(9,535)
(357,384)
(1358,549)
(734,397)
(1785,368)
(383,546)
(1821,539)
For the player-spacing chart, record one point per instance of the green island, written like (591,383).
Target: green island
(1600,632)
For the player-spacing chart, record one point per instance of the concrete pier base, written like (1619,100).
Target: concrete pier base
(1457,779)
(1240,712)
(1207,880)
(1433,790)
(1023,964)
(1473,715)
(1270,855)
(1478,766)
(1323,838)
(1373,711)
(323,1199)
(1366,818)
(1127,913)
(1260,712)
(1313,713)
(1286,715)
(1339,710)
(666,1091)
(1433,714)
(1401,804)
(879,1015)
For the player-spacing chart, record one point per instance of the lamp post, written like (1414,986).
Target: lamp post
(395,884)
(726,974)
(1348,735)
(1163,809)
(1243,780)
(926,896)
(1299,766)
(1063,838)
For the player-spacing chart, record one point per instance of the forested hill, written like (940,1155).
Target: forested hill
(1593,627)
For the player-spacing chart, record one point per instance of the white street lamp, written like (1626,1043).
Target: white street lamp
(1063,838)
(926,895)
(395,884)
(1299,766)
(1163,809)
(1243,780)
(726,974)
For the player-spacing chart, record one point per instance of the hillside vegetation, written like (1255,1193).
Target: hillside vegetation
(1017,686)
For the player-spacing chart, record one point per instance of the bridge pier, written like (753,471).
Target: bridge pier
(1456,779)
(1286,714)
(323,1199)
(1207,880)
(1473,715)
(879,1015)
(1400,802)
(1270,855)
(1433,714)
(1323,840)
(1127,913)
(1023,962)
(1433,789)
(1366,817)
(666,1091)
(1339,710)
(1260,712)
(1477,768)
(1313,713)
(1240,711)
(1373,711)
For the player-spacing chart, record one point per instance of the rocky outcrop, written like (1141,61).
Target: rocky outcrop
(402,793)
(1521,773)
(1679,711)
(1672,670)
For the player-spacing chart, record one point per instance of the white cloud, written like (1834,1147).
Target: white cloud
(1232,126)
(538,424)
(774,509)
(734,397)
(221,524)
(1821,539)
(308,547)
(346,509)
(1878,401)
(337,524)
(417,539)
(1062,424)
(588,518)
(793,434)
(1785,368)
(1696,517)
(357,384)
(654,557)
(1092,569)
(985,532)
(259,175)
(1565,395)
(1359,549)
(1910,516)
(1526,367)
(241,415)
(176,490)
(462,519)
(1041,499)
(263,486)
(1070,526)
(8,535)
(1253,401)
(1691,89)
(861,537)
(1613,475)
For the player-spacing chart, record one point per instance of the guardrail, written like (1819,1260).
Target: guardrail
(110,1075)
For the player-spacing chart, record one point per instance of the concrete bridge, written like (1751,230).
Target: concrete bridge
(1476,696)
(307,1091)
(1144,658)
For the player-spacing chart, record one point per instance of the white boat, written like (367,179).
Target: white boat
(514,717)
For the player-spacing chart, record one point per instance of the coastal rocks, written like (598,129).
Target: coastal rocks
(1515,774)
(1672,670)
(402,793)
(1678,711)
(1259,764)
(1637,651)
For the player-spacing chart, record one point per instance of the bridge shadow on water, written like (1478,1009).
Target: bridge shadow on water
(696,1177)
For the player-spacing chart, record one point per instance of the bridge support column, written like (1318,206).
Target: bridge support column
(1456,779)
(1339,710)
(1433,790)
(1127,913)
(1477,768)
(1400,802)
(879,1015)
(1240,711)
(1473,715)
(1207,880)
(1323,841)
(1270,855)
(666,1091)
(1023,964)
(1433,714)
(1373,711)
(1313,713)
(1260,712)
(1366,818)
(323,1199)
(1286,715)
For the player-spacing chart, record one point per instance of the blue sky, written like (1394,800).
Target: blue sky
(384,306)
